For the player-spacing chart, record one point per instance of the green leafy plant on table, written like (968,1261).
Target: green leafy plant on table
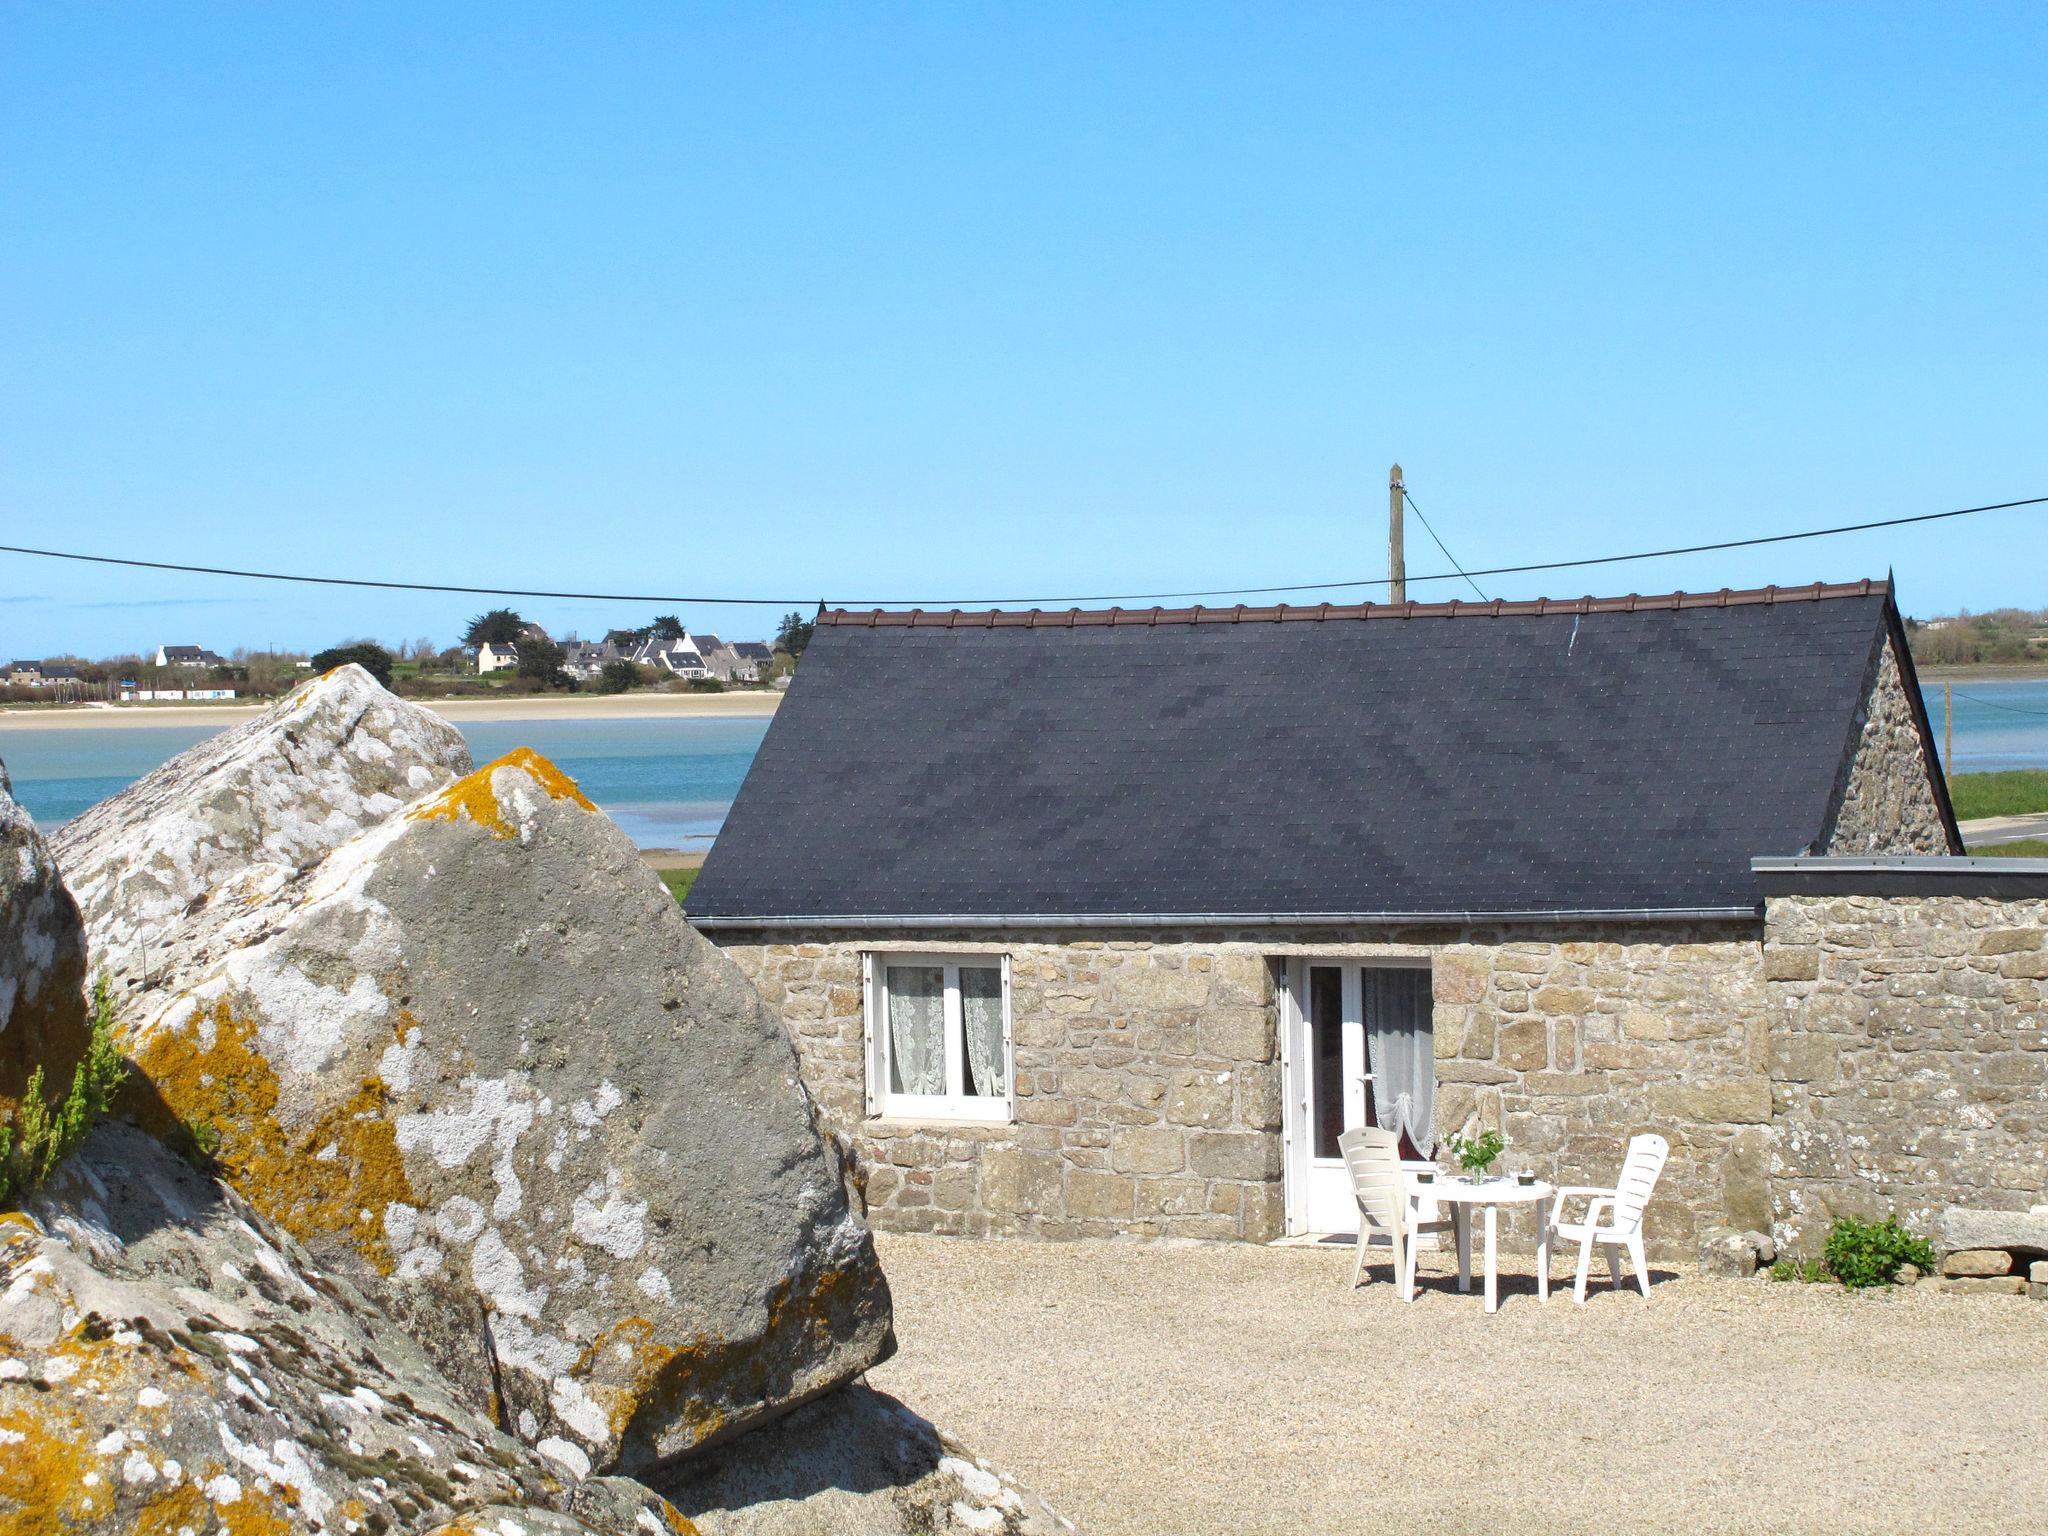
(1476,1154)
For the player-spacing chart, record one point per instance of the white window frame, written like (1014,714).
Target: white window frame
(953,1104)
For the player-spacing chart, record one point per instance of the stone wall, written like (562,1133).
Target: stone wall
(1852,1054)
(1570,1048)
(1148,1095)
(1909,1057)
(1885,800)
(1149,1085)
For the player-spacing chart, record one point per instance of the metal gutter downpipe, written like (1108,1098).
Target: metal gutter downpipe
(892,922)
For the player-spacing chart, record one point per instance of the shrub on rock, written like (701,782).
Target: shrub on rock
(42,961)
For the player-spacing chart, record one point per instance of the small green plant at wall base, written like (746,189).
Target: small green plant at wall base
(1863,1253)
(1476,1154)
(38,1137)
(1805,1271)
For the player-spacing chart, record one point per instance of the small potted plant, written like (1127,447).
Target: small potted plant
(1476,1154)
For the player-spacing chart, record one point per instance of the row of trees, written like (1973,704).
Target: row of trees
(2004,635)
(267,673)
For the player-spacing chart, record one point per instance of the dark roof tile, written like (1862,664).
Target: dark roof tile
(1606,754)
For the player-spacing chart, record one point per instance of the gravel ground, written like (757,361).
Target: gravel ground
(1153,1388)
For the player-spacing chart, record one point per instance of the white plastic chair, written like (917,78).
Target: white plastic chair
(1373,1158)
(1623,1205)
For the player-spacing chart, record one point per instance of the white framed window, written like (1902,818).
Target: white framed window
(938,1044)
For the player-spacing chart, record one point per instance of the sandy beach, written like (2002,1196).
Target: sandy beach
(579,706)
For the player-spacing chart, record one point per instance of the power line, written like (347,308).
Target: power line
(2011,709)
(407,586)
(1022,602)
(1410,500)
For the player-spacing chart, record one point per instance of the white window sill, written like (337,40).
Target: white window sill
(900,1115)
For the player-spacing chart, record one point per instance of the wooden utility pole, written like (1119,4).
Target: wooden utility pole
(1948,730)
(1397,562)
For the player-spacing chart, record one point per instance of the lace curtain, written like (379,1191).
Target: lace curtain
(1401,1044)
(917,1025)
(981,1015)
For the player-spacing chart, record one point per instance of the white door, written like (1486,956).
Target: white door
(1327,1077)
(1329,1085)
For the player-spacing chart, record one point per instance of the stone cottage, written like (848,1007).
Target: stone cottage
(1107,923)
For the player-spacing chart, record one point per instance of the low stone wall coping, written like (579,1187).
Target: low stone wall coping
(1912,875)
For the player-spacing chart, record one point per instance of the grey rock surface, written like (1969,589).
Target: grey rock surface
(1977,1262)
(1986,1285)
(1727,1255)
(854,1463)
(169,1361)
(183,865)
(477,1060)
(2023,1231)
(42,959)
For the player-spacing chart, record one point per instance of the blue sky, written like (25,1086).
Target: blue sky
(950,301)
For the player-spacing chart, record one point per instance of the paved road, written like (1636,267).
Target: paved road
(1990,830)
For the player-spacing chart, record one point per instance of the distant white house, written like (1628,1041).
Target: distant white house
(496,658)
(188,656)
(679,656)
(585,661)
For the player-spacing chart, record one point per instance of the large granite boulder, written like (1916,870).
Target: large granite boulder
(186,863)
(170,1362)
(476,1060)
(42,962)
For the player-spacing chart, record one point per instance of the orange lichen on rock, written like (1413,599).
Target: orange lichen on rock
(42,1474)
(186,1508)
(694,1383)
(282,1171)
(474,799)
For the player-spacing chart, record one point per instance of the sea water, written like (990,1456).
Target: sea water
(667,782)
(1997,725)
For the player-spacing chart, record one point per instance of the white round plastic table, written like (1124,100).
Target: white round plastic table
(1462,1195)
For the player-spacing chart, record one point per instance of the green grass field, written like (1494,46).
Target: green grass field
(2016,793)
(2026,848)
(679,881)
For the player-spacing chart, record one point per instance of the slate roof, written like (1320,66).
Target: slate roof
(1626,755)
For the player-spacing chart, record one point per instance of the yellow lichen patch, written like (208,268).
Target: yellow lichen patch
(474,799)
(634,1376)
(813,1310)
(183,1508)
(42,1474)
(231,1086)
(254,1513)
